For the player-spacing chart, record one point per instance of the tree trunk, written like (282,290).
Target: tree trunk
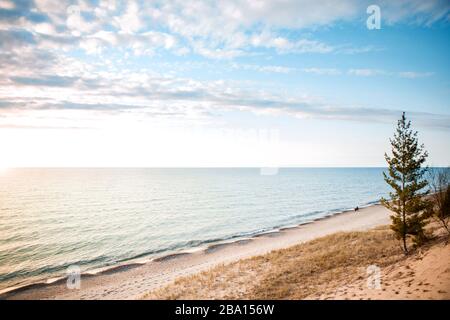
(405,248)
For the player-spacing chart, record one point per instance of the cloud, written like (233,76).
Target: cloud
(415,11)
(6,4)
(22,9)
(366,72)
(44,44)
(377,72)
(227,29)
(262,68)
(15,38)
(414,75)
(51,81)
(131,21)
(218,17)
(164,96)
(323,71)
(285,45)
(141,44)
(220,30)
(6,104)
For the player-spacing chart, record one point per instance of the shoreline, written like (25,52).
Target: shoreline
(206,246)
(133,279)
(168,254)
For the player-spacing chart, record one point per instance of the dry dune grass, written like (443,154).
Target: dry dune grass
(292,273)
(303,271)
(312,267)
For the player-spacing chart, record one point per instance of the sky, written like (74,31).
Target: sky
(220,83)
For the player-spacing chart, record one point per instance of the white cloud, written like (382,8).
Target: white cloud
(92,92)
(48,79)
(284,45)
(323,71)
(225,29)
(6,4)
(141,44)
(45,28)
(366,72)
(91,45)
(131,21)
(262,68)
(228,28)
(414,75)
(275,69)
(377,72)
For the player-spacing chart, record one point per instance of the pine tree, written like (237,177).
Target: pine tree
(406,177)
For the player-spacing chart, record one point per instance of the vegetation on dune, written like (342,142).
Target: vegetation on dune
(315,269)
(292,273)
(440,187)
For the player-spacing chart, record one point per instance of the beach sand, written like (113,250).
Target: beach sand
(424,275)
(134,280)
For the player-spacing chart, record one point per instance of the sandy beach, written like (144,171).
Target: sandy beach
(133,280)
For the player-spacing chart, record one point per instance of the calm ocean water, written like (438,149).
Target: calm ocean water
(53,218)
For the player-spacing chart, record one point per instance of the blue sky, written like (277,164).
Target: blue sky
(226,83)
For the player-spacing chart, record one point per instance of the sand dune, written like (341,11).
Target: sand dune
(423,275)
(344,265)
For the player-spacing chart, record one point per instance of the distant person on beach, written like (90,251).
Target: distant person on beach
(356,209)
